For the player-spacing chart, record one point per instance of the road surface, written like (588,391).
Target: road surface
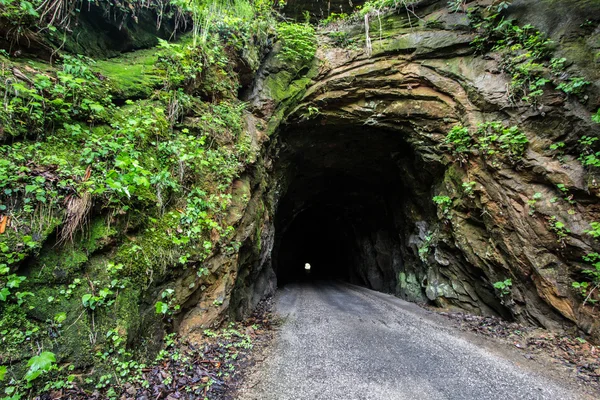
(344,342)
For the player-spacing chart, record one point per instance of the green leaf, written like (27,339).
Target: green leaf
(161,308)
(60,317)
(85,299)
(39,364)
(2,372)
(4,294)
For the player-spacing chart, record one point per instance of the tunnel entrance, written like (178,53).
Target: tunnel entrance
(348,183)
(352,195)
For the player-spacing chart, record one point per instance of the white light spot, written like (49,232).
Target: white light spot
(307,266)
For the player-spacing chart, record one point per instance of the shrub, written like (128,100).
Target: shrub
(299,42)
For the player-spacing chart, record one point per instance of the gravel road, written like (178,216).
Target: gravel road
(344,342)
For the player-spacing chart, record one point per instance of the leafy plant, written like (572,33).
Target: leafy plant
(340,38)
(333,18)
(558,64)
(39,365)
(526,58)
(313,111)
(92,301)
(491,138)
(596,117)
(376,6)
(456,5)
(588,288)
(444,203)
(588,156)
(460,140)
(504,287)
(167,306)
(595,231)
(558,149)
(494,137)
(165,181)
(423,249)
(468,188)
(574,86)
(74,94)
(501,5)
(533,201)
(9,284)
(560,229)
(299,42)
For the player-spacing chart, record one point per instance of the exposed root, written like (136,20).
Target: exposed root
(77,211)
(77,208)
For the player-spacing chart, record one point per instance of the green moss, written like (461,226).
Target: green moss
(61,264)
(280,86)
(98,235)
(147,256)
(127,311)
(286,92)
(132,75)
(18,333)
(409,286)
(57,265)
(454,177)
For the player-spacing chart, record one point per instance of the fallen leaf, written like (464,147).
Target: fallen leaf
(3,223)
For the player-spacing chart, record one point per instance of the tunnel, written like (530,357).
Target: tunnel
(351,173)
(351,197)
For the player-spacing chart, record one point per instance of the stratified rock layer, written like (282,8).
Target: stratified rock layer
(414,86)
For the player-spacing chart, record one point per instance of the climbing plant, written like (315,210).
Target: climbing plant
(494,140)
(526,56)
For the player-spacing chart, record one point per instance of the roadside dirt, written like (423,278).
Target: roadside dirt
(209,366)
(577,357)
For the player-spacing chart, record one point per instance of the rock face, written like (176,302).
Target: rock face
(407,163)
(357,159)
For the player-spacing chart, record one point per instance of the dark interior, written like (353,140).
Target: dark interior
(349,192)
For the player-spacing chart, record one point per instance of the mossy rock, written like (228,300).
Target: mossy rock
(133,75)
(62,263)
(18,333)
(281,86)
